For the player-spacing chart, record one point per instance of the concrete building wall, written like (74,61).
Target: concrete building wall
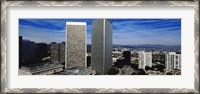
(166,61)
(20,50)
(97,53)
(177,64)
(54,49)
(127,57)
(108,46)
(101,51)
(141,64)
(28,49)
(148,59)
(42,50)
(62,52)
(75,45)
(169,64)
(145,59)
(172,61)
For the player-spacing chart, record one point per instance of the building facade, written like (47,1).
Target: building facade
(148,59)
(57,52)
(177,64)
(28,50)
(127,57)
(101,49)
(172,61)
(42,50)
(75,54)
(62,52)
(20,51)
(54,49)
(145,59)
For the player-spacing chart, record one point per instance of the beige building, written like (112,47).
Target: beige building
(75,54)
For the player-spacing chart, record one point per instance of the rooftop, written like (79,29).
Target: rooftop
(75,23)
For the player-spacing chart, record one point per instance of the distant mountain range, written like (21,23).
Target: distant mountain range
(144,46)
(148,46)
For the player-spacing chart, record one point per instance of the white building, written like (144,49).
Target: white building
(145,59)
(172,61)
(177,64)
(114,59)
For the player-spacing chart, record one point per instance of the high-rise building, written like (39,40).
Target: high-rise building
(101,50)
(88,61)
(75,45)
(148,59)
(145,59)
(172,61)
(141,63)
(42,50)
(57,52)
(169,60)
(62,52)
(20,51)
(127,57)
(177,64)
(28,50)
(54,49)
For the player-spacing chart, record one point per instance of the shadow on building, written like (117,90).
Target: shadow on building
(42,50)
(31,52)
(88,61)
(127,57)
(119,63)
(125,60)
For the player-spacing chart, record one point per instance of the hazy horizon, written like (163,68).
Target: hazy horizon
(114,44)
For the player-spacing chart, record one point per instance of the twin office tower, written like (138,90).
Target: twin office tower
(101,47)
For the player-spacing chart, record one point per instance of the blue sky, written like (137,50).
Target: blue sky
(125,31)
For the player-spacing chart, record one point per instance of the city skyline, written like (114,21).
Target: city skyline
(125,31)
(103,57)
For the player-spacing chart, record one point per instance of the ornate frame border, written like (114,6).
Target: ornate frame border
(5,4)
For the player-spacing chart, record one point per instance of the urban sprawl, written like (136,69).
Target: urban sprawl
(101,57)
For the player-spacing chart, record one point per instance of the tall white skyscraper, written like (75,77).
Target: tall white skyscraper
(145,59)
(148,59)
(141,64)
(101,59)
(75,54)
(172,61)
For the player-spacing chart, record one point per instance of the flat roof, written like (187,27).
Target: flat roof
(75,23)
